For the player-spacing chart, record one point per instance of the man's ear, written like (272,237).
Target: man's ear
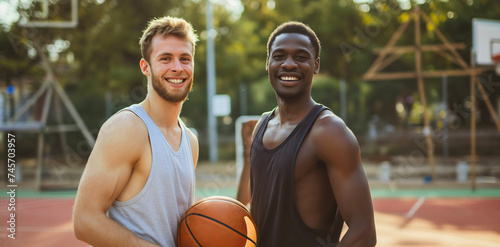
(144,67)
(267,64)
(316,65)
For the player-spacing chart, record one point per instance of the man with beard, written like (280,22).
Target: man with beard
(139,179)
(305,171)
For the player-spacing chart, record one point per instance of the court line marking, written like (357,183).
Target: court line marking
(415,207)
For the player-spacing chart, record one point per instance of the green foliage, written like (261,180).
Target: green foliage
(103,55)
(263,98)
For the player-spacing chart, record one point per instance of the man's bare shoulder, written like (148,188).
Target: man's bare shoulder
(123,132)
(329,122)
(121,143)
(124,123)
(330,128)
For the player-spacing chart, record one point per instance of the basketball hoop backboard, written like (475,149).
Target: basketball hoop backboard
(485,40)
(49,14)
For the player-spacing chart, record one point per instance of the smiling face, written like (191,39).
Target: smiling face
(171,67)
(291,65)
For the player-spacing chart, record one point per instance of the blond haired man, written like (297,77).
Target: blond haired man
(139,178)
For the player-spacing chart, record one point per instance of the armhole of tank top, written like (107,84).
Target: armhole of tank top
(151,171)
(187,139)
(295,207)
(258,138)
(259,135)
(263,125)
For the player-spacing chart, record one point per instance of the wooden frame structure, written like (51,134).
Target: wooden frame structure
(447,50)
(48,87)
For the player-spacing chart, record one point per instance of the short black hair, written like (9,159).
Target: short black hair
(295,27)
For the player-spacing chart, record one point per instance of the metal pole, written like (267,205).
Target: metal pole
(243,99)
(445,120)
(473,123)
(41,158)
(212,127)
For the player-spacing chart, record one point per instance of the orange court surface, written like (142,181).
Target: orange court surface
(44,221)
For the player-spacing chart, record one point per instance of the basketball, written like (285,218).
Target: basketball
(217,221)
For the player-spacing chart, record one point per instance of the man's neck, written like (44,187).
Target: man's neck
(291,111)
(163,113)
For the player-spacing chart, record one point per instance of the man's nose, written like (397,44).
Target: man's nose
(177,66)
(289,63)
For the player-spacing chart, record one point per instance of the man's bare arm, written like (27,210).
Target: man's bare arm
(195,148)
(337,146)
(248,132)
(118,148)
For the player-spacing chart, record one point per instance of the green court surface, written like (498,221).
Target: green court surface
(30,193)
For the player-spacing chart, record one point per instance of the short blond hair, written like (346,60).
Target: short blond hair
(166,26)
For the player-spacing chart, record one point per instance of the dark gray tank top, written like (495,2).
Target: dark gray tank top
(272,181)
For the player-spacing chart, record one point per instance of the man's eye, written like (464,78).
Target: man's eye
(165,59)
(278,56)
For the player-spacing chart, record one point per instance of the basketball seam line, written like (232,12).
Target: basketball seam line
(190,232)
(210,218)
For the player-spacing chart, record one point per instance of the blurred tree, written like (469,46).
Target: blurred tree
(101,55)
(327,18)
(13,57)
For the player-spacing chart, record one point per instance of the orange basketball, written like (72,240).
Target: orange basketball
(217,221)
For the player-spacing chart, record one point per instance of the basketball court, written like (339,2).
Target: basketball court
(437,221)
(414,217)
(428,218)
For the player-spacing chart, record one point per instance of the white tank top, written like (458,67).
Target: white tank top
(154,214)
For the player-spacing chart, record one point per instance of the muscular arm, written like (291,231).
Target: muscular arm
(337,147)
(118,149)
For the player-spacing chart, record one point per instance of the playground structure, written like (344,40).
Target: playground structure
(447,50)
(51,91)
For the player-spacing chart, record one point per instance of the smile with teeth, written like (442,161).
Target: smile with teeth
(289,78)
(175,81)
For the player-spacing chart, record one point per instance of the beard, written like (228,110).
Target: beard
(160,88)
